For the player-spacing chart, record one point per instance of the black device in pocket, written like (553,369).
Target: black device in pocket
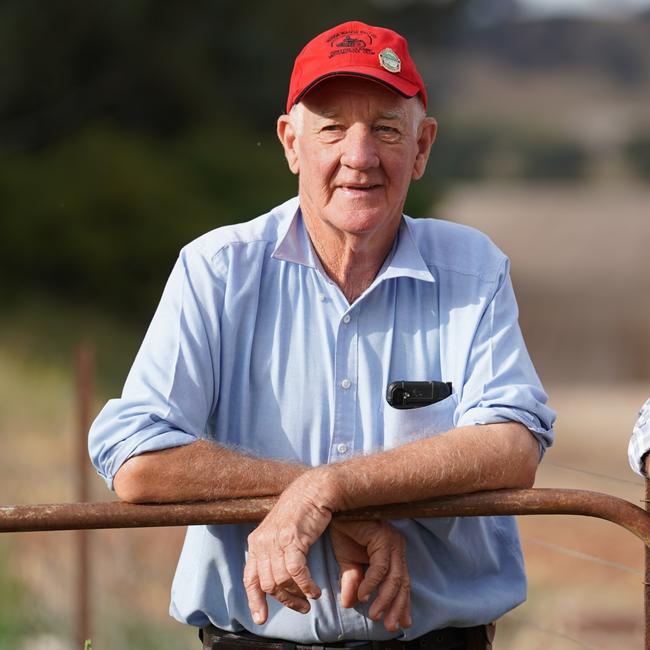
(414,394)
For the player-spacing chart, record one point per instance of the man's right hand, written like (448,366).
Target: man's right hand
(382,549)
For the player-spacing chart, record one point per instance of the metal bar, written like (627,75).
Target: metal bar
(646,586)
(84,370)
(74,516)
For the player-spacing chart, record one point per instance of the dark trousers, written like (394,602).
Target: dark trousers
(451,638)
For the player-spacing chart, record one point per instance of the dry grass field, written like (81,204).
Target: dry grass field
(585,575)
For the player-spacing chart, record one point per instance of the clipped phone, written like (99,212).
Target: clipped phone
(415,394)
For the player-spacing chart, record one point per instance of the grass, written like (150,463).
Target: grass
(20,615)
(38,436)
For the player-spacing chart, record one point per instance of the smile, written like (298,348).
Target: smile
(354,189)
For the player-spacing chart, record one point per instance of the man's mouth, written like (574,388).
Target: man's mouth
(358,188)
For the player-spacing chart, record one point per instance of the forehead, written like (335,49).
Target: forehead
(340,94)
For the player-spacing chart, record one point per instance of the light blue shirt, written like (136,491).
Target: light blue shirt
(254,346)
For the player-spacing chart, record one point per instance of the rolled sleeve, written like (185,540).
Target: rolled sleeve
(169,394)
(501,384)
(640,441)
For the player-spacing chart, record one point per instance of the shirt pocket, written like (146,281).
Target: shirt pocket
(406,425)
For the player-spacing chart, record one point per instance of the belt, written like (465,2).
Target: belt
(450,638)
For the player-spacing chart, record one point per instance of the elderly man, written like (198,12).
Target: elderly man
(265,372)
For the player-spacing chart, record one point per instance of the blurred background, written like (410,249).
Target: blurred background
(129,128)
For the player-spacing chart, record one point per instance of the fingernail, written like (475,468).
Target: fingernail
(409,621)
(257,617)
(366,598)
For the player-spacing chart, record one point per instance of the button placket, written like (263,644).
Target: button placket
(345,396)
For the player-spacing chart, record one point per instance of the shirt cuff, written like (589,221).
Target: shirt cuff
(163,440)
(498,415)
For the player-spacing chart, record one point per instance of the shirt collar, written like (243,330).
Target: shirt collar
(404,259)
(294,244)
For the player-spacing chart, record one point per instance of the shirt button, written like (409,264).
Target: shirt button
(342,448)
(346,319)
(346,383)
(321,297)
(340,637)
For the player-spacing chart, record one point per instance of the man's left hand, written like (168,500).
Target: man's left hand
(372,557)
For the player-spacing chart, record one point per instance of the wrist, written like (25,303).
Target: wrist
(324,487)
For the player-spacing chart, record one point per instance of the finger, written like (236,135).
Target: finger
(254,593)
(281,576)
(293,601)
(351,577)
(265,574)
(378,565)
(296,562)
(389,587)
(405,619)
(398,614)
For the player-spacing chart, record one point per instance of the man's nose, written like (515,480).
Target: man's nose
(359,148)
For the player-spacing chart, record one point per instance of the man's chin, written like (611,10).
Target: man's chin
(362,220)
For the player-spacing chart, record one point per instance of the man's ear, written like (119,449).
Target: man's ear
(426,137)
(288,137)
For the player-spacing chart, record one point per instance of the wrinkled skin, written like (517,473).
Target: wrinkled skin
(371,557)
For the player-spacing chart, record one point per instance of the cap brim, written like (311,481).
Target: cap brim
(387,79)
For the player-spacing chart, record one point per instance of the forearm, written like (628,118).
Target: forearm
(469,459)
(202,471)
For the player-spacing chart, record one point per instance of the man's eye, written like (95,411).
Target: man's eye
(332,127)
(384,128)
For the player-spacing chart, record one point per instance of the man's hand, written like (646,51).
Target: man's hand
(382,548)
(277,551)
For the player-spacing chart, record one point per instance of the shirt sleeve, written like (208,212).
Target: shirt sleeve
(501,384)
(640,440)
(170,392)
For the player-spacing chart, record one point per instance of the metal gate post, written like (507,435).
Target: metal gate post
(84,363)
(646,585)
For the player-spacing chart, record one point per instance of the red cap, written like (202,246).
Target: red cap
(358,50)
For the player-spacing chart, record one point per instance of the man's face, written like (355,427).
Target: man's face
(356,149)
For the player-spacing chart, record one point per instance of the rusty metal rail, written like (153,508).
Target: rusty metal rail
(80,516)
(76,516)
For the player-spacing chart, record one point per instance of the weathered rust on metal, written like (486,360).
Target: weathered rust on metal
(75,516)
(113,514)
(85,372)
(540,501)
(646,586)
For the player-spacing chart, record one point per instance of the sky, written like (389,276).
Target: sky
(597,7)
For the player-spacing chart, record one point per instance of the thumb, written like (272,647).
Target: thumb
(351,577)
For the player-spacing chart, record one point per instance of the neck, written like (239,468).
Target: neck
(351,261)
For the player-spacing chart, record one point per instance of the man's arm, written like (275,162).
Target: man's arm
(206,471)
(464,460)
(201,471)
(468,459)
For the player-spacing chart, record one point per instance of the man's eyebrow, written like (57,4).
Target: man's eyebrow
(392,115)
(327,113)
(331,113)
